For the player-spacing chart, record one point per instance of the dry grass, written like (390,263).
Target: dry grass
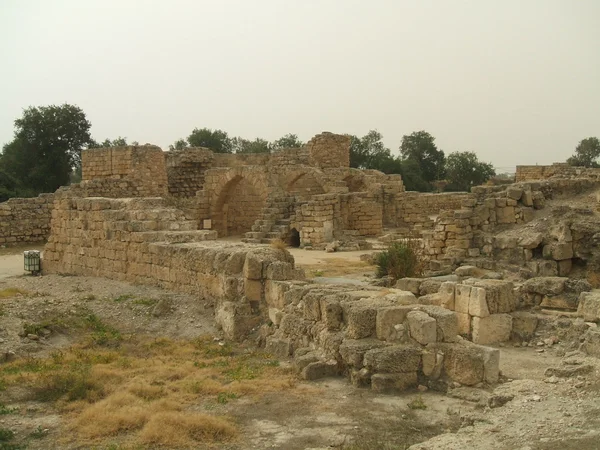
(335,267)
(12,292)
(143,391)
(279,244)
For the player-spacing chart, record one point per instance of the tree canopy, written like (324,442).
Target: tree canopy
(464,170)
(46,147)
(287,141)
(420,148)
(216,140)
(586,153)
(258,145)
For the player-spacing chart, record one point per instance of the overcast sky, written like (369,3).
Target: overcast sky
(516,81)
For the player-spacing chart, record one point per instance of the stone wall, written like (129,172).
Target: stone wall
(186,170)
(380,340)
(329,150)
(563,170)
(418,210)
(144,241)
(143,166)
(361,213)
(25,219)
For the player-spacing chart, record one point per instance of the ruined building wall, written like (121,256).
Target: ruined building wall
(186,170)
(329,150)
(418,210)
(143,166)
(563,170)
(361,213)
(25,219)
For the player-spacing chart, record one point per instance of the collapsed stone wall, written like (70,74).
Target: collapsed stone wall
(144,241)
(386,342)
(25,219)
(417,210)
(143,166)
(563,170)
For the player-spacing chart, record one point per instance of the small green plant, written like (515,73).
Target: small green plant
(224,397)
(318,273)
(417,403)
(123,298)
(6,434)
(39,433)
(4,410)
(103,335)
(402,259)
(145,301)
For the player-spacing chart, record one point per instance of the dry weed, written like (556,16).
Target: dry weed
(279,244)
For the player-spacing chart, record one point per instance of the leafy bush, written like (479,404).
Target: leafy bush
(401,259)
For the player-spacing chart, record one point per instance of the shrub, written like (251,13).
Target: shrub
(401,259)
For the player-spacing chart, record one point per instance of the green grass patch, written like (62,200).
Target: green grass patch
(145,301)
(122,298)
(12,292)
(4,410)
(224,397)
(417,403)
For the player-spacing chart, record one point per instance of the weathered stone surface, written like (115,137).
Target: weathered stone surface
(589,306)
(394,359)
(387,319)
(353,351)
(462,298)
(422,327)
(446,294)
(558,251)
(409,284)
(319,369)
(361,319)
(429,287)
(499,295)
(524,325)
(433,363)
(591,343)
(514,193)
(529,239)
(331,313)
(544,285)
(464,324)
(393,382)
(491,329)
(464,364)
(446,322)
(478,303)
(466,271)
(281,348)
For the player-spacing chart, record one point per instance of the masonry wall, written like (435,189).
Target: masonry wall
(25,219)
(418,210)
(361,213)
(143,166)
(329,150)
(186,170)
(528,173)
(145,241)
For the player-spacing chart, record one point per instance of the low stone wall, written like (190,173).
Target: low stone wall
(563,170)
(418,210)
(144,241)
(25,219)
(384,341)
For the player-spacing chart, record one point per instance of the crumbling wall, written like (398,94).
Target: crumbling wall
(386,342)
(329,150)
(144,241)
(361,213)
(418,210)
(25,219)
(143,166)
(563,170)
(186,170)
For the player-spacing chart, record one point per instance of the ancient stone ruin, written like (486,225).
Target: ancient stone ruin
(494,256)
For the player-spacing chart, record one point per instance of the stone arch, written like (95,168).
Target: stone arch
(304,184)
(237,203)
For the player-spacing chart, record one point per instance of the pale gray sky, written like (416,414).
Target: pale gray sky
(516,81)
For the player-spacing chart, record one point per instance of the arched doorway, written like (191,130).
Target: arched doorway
(293,238)
(238,206)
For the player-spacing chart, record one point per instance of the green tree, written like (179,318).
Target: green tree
(369,151)
(464,170)
(586,153)
(46,147)
(420,147)
(258,145)
(216,140)
(287,141)
(118,142)
(179,144)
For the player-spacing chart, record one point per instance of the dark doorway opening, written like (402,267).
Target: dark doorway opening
(293,239)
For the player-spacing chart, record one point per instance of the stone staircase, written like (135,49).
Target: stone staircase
(274,221)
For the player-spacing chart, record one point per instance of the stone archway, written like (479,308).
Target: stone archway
(304,185)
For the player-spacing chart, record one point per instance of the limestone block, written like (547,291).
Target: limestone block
(527,198)
(422,327)
(253,290)
(446,294)
(253,267)
(387,319)
(462,298)
(499,295)
(514,193)
(491,329)
(279,347)
(491,364)
(446,322)
(409,284)
(433,363)
(544,285)
(393,382)
(275,316)
(558,251)
(353,351)
(505,215)
(429,287)
(478,303)
(529,239)
(464,364)
(312,305)
(465,271)
(361,320)
(505,242)
(463,323)
(320,369)
(331,313)
(589,306)
(524,325)
(394,359)
(564,267)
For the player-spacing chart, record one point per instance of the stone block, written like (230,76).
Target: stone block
(393,382)
(432,363)
(464,364)
(527,198)
(446,322)
(544,285)
(331,313)
(422,327)
(446,294)
(275,316)
(558,251)
(463,323)
(429,287)
(478,303)
(394,359)
(320,369)
(312,305)
(589,306)
(529,239)
(361,320)
(387,319)
(409,284)
(524,325)
(491,329)
(514,193)
(279,347)
(499,295)
(462,298)
(253,290)
(564,267)
(353,351)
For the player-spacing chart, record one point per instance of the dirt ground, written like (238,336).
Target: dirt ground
(147,347)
